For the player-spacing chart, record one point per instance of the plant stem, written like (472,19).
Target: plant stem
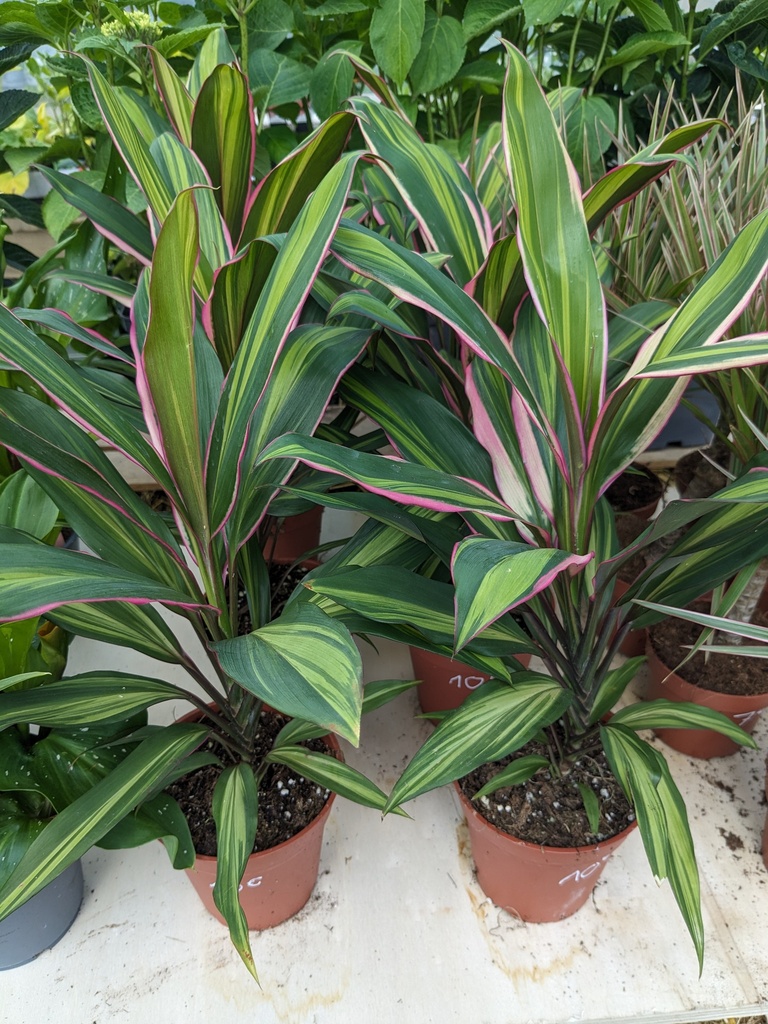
(598,70)
(689,26)
(574,39)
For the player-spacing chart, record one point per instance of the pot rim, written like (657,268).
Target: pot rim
(752,700)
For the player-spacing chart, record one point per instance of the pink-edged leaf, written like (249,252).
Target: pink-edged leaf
(75,394)
(167,379)
(734,354)
(402,481)
(494,576)
(61,323)
(224,139)
(282,297)
(553,236)
(175,96)
(36,578)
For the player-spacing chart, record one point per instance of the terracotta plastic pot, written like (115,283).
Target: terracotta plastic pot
(277,882)
(701,743)
(295,536)
(44,919)
(535,883)
(447,683)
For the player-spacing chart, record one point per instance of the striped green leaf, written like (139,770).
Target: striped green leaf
(214,51)
(746,629)
(515,774)
(442,199)
(413,279)
(553,236)
(402,481)
(61,323)
(664,714)
(95,499)
(304,664)
(24,350)
(168,358)
(38,578)
(223,138)
(176,98)
(280,197)
(103,284)
(285,291)
(76,828)
(139,627)
(235,811)
(79,700)
(300,386)
(735,353)
(661,817)
(494,576)
(331,773)
(496,720)
(114,221)
(613,686)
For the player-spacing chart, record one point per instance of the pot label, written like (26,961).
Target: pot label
(252,883)
(468,682)
(581,874)
(743,717)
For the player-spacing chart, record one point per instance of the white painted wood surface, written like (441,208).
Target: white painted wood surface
(397,929)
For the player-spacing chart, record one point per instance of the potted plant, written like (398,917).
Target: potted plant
(220,372)
(558,414)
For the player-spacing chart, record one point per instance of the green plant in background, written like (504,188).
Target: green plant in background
(560,405)
(229,351)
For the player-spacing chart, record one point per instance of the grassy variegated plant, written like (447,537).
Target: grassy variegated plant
(229,353)
(561,401)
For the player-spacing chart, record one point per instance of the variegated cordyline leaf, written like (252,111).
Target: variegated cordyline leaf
(413,279)
(214,51)
(167,377)
(78,700)
(554,239)
(638,409)
(236,813)
(420,428)
(300,386)
(78,827)
(129,232)
(402,481)
(494,721)
(304,664)
(327,771)
(75,395)
(94,498)
(662,819)
(281,195)
(736,353)
(224,140)
(494,576)
(441,198)
(175,96)
(139,627)
(282,297)
(61,323)
(38,578)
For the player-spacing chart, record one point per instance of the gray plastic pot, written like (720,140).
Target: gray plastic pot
(42,920)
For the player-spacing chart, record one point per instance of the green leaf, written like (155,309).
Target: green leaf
(17,53)
(661,817)
(178,42)
(591,806)
(482,16)
(270,22)
(543,12)
(515,774)
(235,811)
(14,103)
(303,664)
(647,44)
(653,16)
(24,505)
(80,825)
(214,51)
(494,721)
(441,54)
(720,26)
(277,79)
(138,627)
(178,102)
(331,83)
(159,818)
(395,34)
(613,686)
(328,771)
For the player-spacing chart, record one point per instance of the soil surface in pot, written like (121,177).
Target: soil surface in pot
(549,811)
(696,477)
(287,801)
(723,673)
(636,487)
